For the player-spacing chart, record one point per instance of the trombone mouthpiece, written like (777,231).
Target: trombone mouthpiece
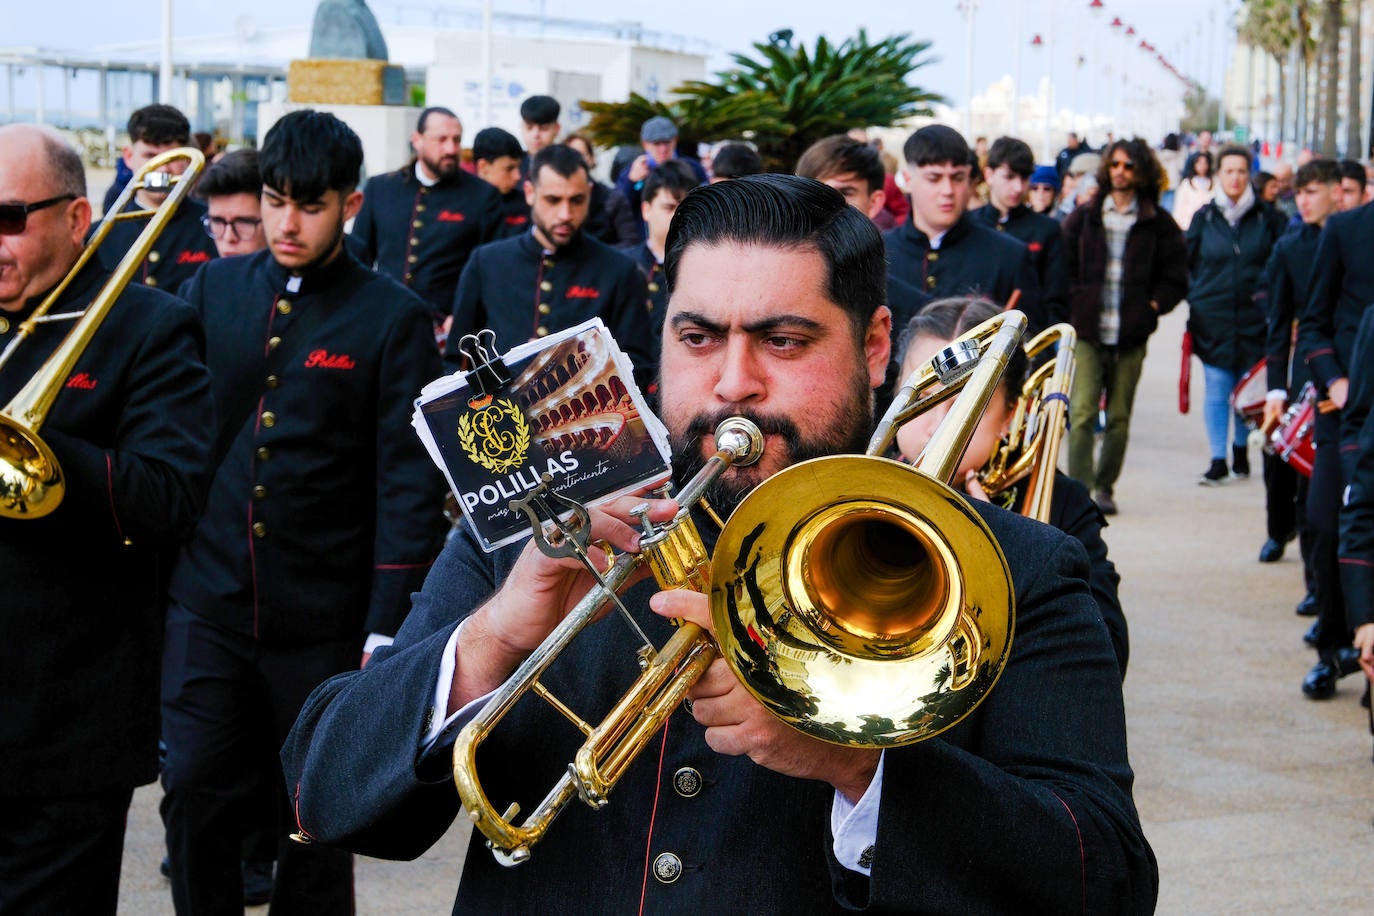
(956,361)
(742,438)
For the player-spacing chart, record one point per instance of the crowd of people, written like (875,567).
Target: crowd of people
(258,514)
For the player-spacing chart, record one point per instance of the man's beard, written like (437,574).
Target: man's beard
(441,169)
(846,433)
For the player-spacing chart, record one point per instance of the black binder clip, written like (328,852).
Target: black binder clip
(488,373)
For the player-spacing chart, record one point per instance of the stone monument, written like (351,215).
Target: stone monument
(348,60)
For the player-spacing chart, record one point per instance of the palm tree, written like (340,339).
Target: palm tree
(784,99)
(1276,27)
(1331,52)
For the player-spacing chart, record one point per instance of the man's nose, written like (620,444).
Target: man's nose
(741,377)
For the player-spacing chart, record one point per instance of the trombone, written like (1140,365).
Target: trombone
(31,479)
(861,600)
(1030,449)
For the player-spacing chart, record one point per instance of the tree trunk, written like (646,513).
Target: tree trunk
(1331,39)
(1283,99)
(1353,97)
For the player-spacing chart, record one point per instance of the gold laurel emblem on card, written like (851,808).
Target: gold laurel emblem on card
(496,436)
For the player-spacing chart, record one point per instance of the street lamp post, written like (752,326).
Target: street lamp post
(970,10)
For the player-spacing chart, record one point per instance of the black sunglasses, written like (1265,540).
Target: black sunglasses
(1126,164)
(14,217)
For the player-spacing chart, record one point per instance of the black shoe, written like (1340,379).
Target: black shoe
(1307,607)
(1215,475)
(1105,503)
(257,883)
(1271,552)
(1347,660)
(1364,698)
(1240,463)
(166,867)
(1313,634)
(1320,683)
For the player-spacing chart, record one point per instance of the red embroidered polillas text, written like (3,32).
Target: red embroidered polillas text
(582,292)
(83,381)
(323,359)
(450,216)
(193,257)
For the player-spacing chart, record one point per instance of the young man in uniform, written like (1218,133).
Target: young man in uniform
(419,224)
(1008,171)
(232,191)
(941,249)
(554,276)
(322,517)
(496,157)
(182,246)
(776,313)
(133,434)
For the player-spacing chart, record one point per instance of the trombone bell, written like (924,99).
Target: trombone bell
(31,483)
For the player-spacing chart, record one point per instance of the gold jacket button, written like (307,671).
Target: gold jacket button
(414,241)
(687,782)
(259,492)
(154,257)
(264,453)
(544,308)
(273,343)
(273,381)
(4,325)
(930,282)
(933,256)
(259,530)
(284,307)
(413,258)
(667,867)
(151,281)
(541,331)
(416,224)
(653,287)
(546,286)
(420,208)
(269,419)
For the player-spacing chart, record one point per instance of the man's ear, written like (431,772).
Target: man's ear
(352,204)
(876,201)
(878,345)
(79,220)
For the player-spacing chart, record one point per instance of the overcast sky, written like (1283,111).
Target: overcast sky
(1188,31)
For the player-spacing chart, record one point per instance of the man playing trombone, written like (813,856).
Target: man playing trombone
(776,314)
(132,428)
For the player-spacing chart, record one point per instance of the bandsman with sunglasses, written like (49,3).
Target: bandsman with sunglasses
(132,428)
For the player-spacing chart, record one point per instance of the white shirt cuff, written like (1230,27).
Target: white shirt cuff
(438,723)
(1276,394)
(375,641)
(855,825)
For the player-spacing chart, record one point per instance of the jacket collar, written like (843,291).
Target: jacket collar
(960,229)
(313,281)
(573,249)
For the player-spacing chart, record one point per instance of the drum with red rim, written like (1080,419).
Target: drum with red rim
(1292,440)
(1247,398)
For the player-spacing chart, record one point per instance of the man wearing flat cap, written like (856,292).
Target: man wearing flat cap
(658,137)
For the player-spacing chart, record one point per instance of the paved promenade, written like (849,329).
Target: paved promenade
(1256,800)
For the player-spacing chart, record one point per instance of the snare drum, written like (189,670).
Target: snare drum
(1292,440)
(1247,398)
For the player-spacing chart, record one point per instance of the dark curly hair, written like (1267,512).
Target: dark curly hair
(1149,177)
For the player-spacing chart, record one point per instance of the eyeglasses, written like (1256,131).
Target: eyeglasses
(243,226)
(1126,164)
(14,217)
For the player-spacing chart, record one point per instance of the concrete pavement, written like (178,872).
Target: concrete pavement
(1256,799)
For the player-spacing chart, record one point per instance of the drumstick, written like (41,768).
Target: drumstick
(1012,300)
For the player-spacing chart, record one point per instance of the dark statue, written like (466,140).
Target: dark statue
(346,29)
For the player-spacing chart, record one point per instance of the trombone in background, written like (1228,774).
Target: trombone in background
(1030,449)
(861,600)
(31,479)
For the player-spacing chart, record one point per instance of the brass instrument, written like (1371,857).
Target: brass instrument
(1030,449)
(31,480)
(879,617)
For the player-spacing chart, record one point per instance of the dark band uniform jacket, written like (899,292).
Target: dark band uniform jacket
(515,216)
(658,290)
(971,260)
(1041,236)
(1357,460)
(1342,288)
(521,292)
(1154,268)
(1229,327)
(324,511)
(1025,807)
(180,249)
(133,429)
(421,237)
(1286,285)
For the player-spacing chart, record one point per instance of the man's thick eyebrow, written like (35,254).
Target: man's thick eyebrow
(771,323)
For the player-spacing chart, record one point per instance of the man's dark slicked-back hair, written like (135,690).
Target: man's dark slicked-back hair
(841,154)
(674,176)
(1352,170)
(491,143)
(540,109)
(158,124)
(1014,154)
(787,211)
(432,110)
(234,173)
(1326,171)
(560,157)
(936,144)
(310,152)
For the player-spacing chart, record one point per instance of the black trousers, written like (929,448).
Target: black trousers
(1323,515)
(227,705)
(62,854)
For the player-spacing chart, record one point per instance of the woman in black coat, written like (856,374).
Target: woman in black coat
(1229,241)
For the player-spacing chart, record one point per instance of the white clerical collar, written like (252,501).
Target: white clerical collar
(421,177)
